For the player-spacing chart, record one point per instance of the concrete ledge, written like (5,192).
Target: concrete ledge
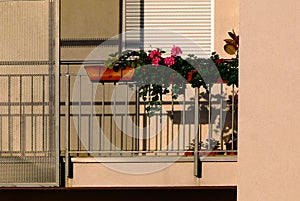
(151,159)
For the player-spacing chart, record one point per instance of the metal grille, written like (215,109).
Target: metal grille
(95,119)
(28,147)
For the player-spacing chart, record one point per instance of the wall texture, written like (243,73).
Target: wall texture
(176,174)
(269,156)
(226,19)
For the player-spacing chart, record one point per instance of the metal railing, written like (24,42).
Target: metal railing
(27,146)
(109,119)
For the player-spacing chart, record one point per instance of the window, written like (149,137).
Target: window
(161,24)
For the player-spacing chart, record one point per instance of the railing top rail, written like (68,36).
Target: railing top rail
(80,62)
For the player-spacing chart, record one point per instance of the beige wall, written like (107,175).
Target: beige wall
(226,19)
(88,19)
(269,156)
(177,174)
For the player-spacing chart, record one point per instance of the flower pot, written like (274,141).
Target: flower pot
(189,153)
(190,75)
(220,81)
(100,73)
(229,150)
(207,153)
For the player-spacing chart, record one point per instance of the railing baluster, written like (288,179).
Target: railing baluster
(209,117)
(43,111)
(114,138)
(102,117)
(67,115)
(172,123)
(1,135)
(221,116)
(91,134)
(126,117)
(137,118)
(160,123)
(31,114)
(196,134)
(183,121)
(22,139)
(232,116)
(79,115)
(9,133)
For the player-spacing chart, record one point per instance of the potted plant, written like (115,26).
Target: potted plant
(210,147)
(144,67)
(191,147)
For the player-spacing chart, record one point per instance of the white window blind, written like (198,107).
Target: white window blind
(186,23)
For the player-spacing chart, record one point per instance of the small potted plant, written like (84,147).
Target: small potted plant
(191,148)
(210,147)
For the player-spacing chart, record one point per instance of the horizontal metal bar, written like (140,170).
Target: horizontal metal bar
(26,63)
(26,115)
(120,151)
(88,42)
(80,62)
(138,159)
(150,159)
(24,103)
(25,75)
(28,184)
(76,103)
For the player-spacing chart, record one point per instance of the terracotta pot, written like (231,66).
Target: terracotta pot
(98,73)
(189,153)
(220,81)
(190,75)
(207,153)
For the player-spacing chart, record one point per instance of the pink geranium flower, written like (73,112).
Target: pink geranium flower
(155,61)
(154,53)
(169,61)
(175,51)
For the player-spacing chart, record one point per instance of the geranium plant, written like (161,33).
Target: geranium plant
(153,80)
(155,71)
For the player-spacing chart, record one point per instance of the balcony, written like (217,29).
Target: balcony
(107,123)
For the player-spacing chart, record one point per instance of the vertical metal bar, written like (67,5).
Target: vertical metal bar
(46,132)
(31,114)
(35,133)
(172,124)
(111,131)
(209,118)
(122,133)
(232,117)
(22,140)
(144,148)
(196,134)
(126,116)
(67,128)
(221,115)
(149,129)
(160,122)
(115,126)
(137,118)
(9,133)
(1,135)
(183,121)
(43,113)
(167,136)
(91,134)
(79,115)
(102,117)
(156,133)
